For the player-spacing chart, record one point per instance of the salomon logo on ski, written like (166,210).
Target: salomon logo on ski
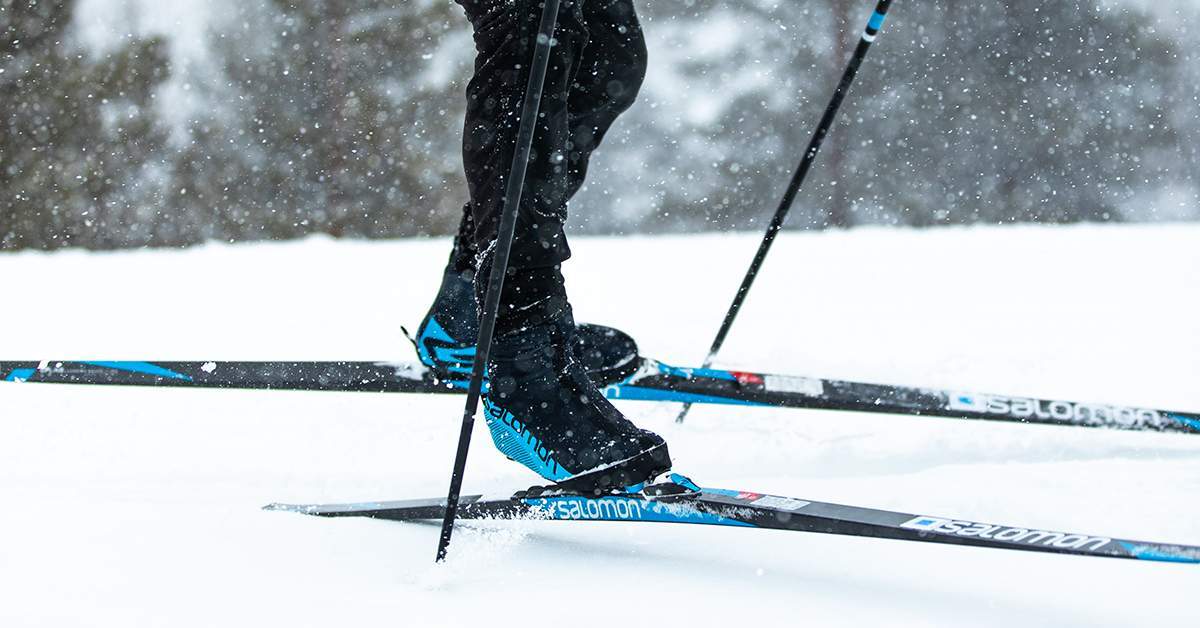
(604,509)
(1026,408)
(1061,540)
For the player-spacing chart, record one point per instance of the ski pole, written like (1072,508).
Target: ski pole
(785,205)
(504,238)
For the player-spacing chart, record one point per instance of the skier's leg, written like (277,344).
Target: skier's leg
(463,254)
(610,72)
(610,75)
(541,407)
(505,32)
(446,337)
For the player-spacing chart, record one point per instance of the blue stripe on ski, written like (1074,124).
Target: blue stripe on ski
(635,393)
(627,509)
(723,491)
(686,373)
(1192,423)
(465,384)
(20,375)
(145,368)
(1151,552)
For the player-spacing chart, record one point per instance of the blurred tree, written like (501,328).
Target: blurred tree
(1026,111)
(341,117)
(79,137)
(344,117)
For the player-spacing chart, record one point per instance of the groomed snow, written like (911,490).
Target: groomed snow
(141,507)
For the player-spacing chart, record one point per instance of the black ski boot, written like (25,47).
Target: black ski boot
(446,338)
(544,412)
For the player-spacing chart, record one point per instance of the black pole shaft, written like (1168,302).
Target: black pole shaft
(503,244)
(785,205)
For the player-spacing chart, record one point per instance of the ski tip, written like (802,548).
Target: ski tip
(1190,425)
(1159,552)
(289,508)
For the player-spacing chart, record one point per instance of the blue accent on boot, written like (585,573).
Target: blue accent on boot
(457,358)
(514,440)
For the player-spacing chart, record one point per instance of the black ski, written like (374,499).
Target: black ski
(651,381)
(406,377)
(754,510)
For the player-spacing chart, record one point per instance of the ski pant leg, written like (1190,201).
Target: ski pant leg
(610,74)
(505,34)
(586,88)
(607,78)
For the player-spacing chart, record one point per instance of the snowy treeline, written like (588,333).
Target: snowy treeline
(344,117)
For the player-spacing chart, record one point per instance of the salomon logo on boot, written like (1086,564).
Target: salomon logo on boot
(546,413)
(513,438)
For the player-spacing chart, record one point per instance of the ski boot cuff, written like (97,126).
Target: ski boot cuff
(532,297)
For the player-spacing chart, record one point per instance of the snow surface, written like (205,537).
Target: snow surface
(141,507)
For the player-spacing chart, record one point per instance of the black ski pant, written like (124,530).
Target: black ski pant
(596,68)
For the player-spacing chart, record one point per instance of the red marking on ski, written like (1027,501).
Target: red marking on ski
(748,378)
